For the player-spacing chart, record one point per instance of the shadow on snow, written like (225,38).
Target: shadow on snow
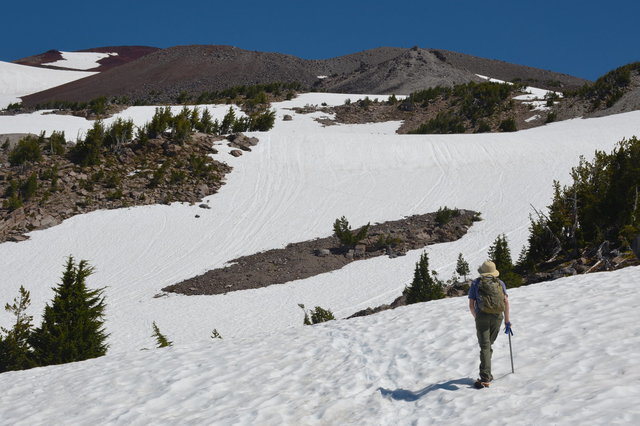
(409,396)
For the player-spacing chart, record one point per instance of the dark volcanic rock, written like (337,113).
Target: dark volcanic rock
(413,70)
(506,71)
(162,75)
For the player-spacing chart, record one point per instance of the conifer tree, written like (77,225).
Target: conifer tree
(182,129)
(240,124)
(161,339)
(262,121)
(347,237)
(195,117)
(160,121)
(500,254)
(88,152)
(30,187)
(462,267)
(206,122)
(118,133)
(319,315)
(15,352)
(27,150)
(56,142)
(423,287)
(72,325)
(227,121)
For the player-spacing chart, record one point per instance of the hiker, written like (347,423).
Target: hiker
(488,301)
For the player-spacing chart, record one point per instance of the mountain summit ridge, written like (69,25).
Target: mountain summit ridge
(198,68)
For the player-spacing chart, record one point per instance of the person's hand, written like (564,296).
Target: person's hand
(507,328)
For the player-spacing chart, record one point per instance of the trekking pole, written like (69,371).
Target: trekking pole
(511,354)
(509,333)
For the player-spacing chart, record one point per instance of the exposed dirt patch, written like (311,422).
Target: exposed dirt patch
(310,258)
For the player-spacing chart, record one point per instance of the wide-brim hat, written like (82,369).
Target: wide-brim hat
(488,269)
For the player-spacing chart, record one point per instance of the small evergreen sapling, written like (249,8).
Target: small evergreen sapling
(15,352)
(318,315)
(206,122)
(462,267)
(57,141)
(29,188)
(161,339)
(347,237)
(445,214)
(227,121)
(27,150)
(508,125)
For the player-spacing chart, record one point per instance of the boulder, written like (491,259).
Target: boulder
(242,139)
(458,288)
(203,189)
(322,252)
(48,221)
(287,117)
(171,149)
(243,147)
(235,152)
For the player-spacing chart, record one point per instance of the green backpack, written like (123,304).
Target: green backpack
(490,295)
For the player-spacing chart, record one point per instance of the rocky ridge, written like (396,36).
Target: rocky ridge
(309,258)
(156,172)
(164,74)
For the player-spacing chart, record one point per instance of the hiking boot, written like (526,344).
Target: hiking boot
(480,384)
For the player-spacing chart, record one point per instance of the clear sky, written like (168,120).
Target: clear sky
(585,38)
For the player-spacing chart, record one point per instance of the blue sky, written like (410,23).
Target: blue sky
(583,38)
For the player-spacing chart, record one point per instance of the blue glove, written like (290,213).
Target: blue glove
(507,329)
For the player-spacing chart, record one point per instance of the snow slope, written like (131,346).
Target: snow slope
(80,60)
(574,348)
(21,80)
(294,184)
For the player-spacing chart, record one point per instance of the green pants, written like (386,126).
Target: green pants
(487,328)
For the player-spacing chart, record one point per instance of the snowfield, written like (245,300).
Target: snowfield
(575,357)
(80,60)
(21,80)
(575,338)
